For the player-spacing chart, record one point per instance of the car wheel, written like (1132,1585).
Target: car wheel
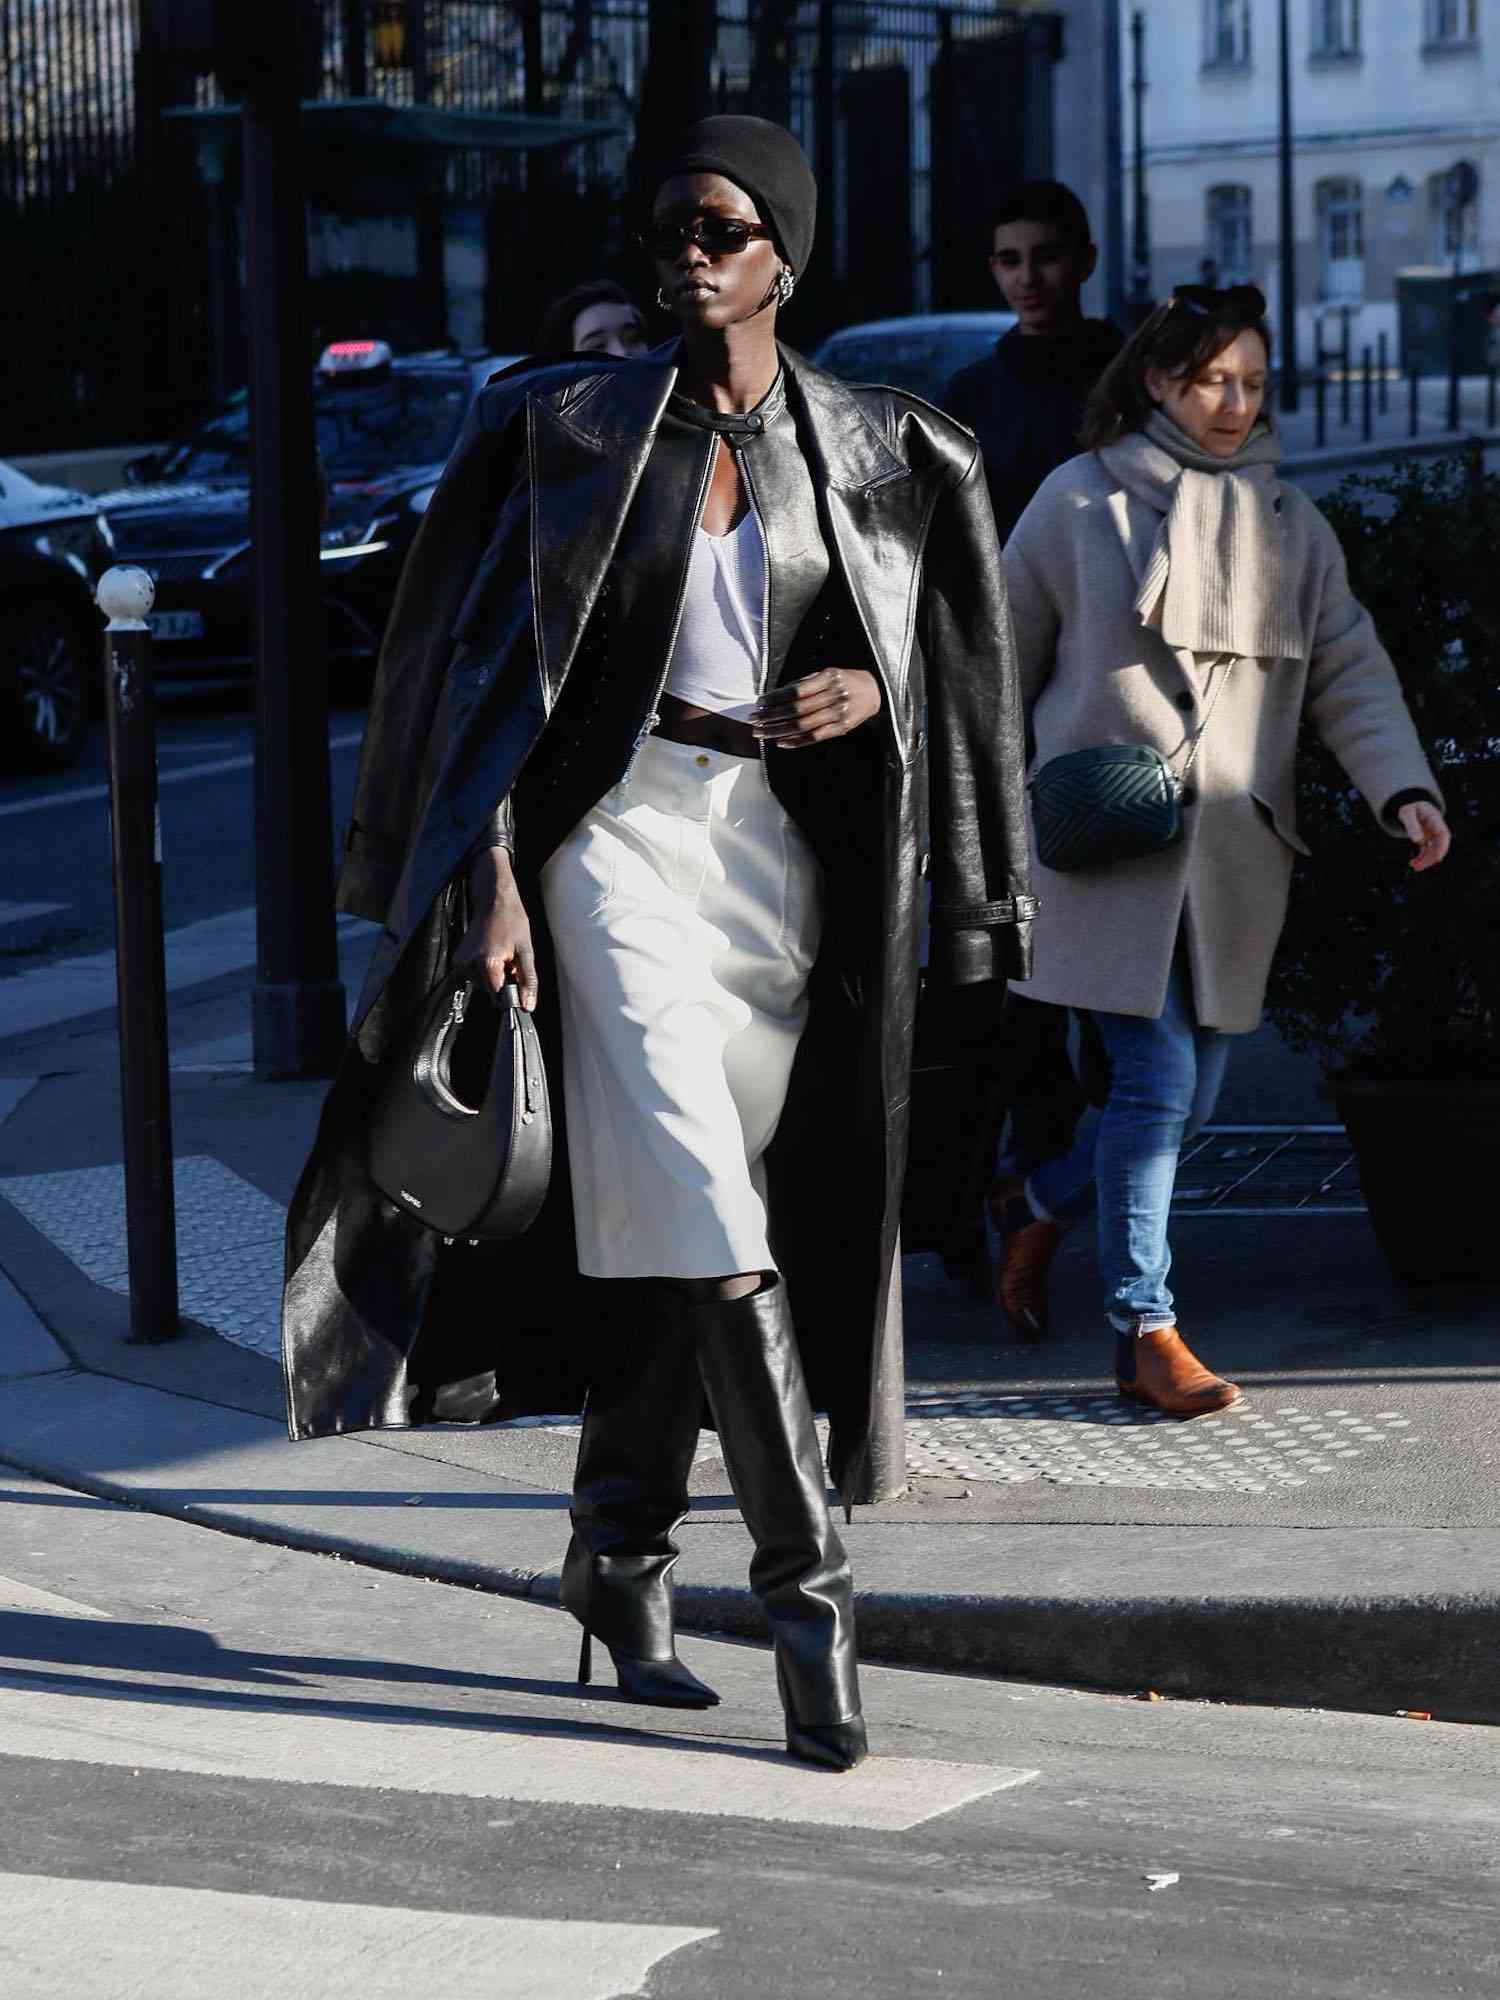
(50,666)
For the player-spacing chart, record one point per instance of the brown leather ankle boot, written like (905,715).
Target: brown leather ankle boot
(1168,1376)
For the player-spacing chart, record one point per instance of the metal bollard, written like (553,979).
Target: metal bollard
(1366,398)
(124,596)
(1320,404)
(1489,398)
(1346,367)
(1383,387)
(1411,404)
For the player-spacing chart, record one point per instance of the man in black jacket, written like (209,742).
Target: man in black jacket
(1025,401)
(1025,404)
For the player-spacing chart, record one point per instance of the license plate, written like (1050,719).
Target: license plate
(175,624)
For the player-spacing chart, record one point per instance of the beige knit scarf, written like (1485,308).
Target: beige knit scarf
(1214,580)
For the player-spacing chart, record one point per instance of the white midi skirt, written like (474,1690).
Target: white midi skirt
(685,910)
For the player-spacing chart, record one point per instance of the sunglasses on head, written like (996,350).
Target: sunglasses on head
(718,235)
(1209,301)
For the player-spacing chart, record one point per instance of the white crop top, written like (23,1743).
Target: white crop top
(716,660)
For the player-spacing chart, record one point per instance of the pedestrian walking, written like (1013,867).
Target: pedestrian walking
(599,317)
(1025,403)
(733,660)
(1180,613)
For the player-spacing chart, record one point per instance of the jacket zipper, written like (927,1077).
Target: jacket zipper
(652,716)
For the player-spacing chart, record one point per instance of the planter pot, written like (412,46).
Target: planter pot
(1429,1165)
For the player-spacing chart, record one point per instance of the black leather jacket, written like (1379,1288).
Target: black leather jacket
(526,649)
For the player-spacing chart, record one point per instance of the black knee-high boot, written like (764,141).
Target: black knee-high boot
(752,1374)
(630,1491)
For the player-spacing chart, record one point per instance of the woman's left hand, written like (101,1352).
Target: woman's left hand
(1425,826)
(816,709)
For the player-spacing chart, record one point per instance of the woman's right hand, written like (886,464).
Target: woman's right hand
(498,941)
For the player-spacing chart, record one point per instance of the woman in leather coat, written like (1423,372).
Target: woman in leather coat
(729,636)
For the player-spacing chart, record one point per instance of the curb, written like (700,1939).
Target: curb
(1437,1654)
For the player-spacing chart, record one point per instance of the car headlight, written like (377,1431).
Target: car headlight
(347,536)
(355,539)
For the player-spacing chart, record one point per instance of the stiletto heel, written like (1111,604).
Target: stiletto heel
(586,1658)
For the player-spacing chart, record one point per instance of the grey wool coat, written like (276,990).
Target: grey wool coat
(1092,672)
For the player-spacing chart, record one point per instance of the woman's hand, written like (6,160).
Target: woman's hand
(498,941)
(1426,828)
(817,708)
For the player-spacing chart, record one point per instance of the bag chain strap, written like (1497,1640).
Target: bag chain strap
(1182,775)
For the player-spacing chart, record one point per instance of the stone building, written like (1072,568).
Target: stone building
(1387,97)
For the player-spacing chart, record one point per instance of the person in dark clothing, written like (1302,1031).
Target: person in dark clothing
(1025,401)
(1025,404)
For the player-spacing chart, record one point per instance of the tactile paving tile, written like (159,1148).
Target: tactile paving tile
(1098,1441)
(228,1240)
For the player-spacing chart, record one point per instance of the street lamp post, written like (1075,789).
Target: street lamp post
(1290,388)
(298,1002)
(1140,244)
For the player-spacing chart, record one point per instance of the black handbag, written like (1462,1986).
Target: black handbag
(461,1134)
(1114,802)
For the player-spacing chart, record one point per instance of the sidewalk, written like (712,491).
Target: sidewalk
(1335,1542)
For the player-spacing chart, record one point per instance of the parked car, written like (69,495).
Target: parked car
(385,426)
(54,546)
(922,353)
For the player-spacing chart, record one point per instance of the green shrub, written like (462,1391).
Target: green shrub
(1384,973)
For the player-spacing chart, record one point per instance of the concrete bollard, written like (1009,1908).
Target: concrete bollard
(125,596)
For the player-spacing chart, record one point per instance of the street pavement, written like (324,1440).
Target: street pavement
(235,1768)
(1332,1542)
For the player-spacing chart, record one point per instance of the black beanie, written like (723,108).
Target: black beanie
(763,159)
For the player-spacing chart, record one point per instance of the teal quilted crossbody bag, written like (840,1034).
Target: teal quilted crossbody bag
(1114,802)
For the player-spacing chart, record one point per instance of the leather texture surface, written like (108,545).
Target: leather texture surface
(461,1134)
(1109,803)
(524,654)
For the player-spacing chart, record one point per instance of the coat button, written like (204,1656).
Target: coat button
(701,759)
(1186,702)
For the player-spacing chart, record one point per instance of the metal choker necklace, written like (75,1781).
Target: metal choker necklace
(748,423)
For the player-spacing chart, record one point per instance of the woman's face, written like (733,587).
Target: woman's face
(609,328)
(1218,405)
(703,288)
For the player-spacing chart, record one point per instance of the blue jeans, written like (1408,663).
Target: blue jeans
(1165,1077)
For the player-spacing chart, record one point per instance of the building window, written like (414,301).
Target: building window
(1452,24)
(1229,233)
(1226,34)
(1341,240)
(1335,26)
(1453,234)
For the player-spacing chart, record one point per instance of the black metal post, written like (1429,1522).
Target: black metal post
(1453,347)
(298,1002)
(1320,402)
(1366,395)
(1140,229)
(1287,218)
(356,67)
(1346,366)
(140,967)
(1489,397)
(1412,418)
(1383,387)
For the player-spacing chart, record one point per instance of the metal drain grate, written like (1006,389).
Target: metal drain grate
(1268,1170)
(1096,1441)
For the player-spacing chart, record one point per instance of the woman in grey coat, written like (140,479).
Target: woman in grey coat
(1168,589)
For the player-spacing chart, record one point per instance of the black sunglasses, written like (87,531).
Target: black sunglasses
(718,235)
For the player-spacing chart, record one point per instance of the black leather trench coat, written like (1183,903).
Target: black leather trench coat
(506,703)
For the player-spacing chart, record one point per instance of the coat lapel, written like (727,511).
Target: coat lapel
(587,447)
(875,514)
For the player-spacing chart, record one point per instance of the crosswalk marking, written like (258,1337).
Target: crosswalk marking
(62,1938)
(206,1732)
(45,995)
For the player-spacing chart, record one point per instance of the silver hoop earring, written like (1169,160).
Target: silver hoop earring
(786,284)
(662,300)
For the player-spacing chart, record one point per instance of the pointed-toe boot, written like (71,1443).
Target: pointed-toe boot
(630,1492)
(752,1375)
